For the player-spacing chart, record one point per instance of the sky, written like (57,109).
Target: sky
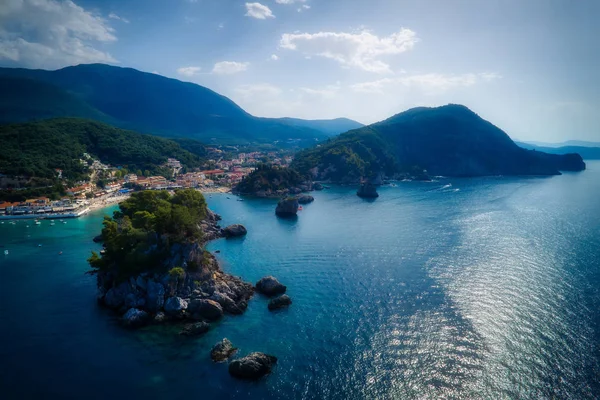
(530,67)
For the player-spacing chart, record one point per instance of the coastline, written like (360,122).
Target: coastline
(103,203)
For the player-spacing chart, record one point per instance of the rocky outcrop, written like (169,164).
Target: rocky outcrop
(205,309)
(287,207)
(270,286)
(305,199)
(135,318)
(197,329)
(175,306)
(253,366)
(282,301)
(98,239)
(222,351)
(367,190)
(202,292)
(318,186)
(236,230)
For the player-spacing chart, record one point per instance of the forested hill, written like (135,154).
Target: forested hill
(36,149)
(147,103)
(450,140)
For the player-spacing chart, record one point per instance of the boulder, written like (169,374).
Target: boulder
(287,207)
(226,303)
(98,239)
(135,318)
(367,190)
(222,350)
(236,230)
(206,309)
(305,199)
(155,296)
(197,329)
(160,317)
(253,366)
(280,302)
(270,286)
(115,297)
(317,186)
(175,306)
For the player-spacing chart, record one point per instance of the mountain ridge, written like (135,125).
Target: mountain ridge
(151,103)
(450,140)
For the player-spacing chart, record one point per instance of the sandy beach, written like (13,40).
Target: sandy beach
(107,202)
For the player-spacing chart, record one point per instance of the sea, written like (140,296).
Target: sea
(485,288)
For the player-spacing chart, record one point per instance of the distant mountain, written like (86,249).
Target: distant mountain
(450,141)
(36,149)
(147,103)
(586,152)
(568,143)
(330,127)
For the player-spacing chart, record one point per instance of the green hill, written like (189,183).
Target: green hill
(36,149)
(450,140)
(148,103)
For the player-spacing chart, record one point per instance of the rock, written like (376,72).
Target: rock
(204,308)
(197,329)
(226,303)
(175,306)
(160,317)
(115,297)
(270,286)
(98,239)
(222,350)
(135,318)
(287,207)
(236,230)
(253,366)
(280,302)
(367,190)
(305,199)
(317,186)
(155,296)
(141,283)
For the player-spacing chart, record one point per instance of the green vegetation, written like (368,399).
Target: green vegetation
(348,157)
(147,103)
(139,236)
(37,149)
(450,140)
(269,177)
(177,273)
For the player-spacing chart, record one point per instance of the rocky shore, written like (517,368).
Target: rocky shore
(191,287)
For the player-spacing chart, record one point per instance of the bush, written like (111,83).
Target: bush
(177,273)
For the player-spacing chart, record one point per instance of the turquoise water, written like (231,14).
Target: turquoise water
(469,288)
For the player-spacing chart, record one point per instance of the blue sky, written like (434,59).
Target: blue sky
(530,67)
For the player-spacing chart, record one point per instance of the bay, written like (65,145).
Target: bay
(459,288)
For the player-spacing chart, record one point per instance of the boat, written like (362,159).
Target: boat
(51,223)
(59,253)
(5,252)
(300,208)
(64,222)
(38,223)
(40,245)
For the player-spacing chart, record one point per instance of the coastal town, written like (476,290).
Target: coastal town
(110,184)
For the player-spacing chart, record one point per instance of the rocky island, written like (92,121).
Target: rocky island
(154,267)
(271,181)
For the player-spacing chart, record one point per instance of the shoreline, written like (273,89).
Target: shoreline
(104,203)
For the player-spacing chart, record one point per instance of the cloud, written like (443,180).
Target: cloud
(258,11)
(52,34)
(229,67)
(188,71)
(431,83)
(263,90)
(115,16)
(289,1)
(327,92)
(303,8)
(274,57)
(358,50)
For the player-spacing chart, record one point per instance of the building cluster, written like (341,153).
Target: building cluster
(40,206)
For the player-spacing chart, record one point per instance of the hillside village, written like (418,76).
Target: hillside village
(109,184)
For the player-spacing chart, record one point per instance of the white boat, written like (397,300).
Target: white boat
(5,252)
(51,223)
(64,222)
(38,223)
